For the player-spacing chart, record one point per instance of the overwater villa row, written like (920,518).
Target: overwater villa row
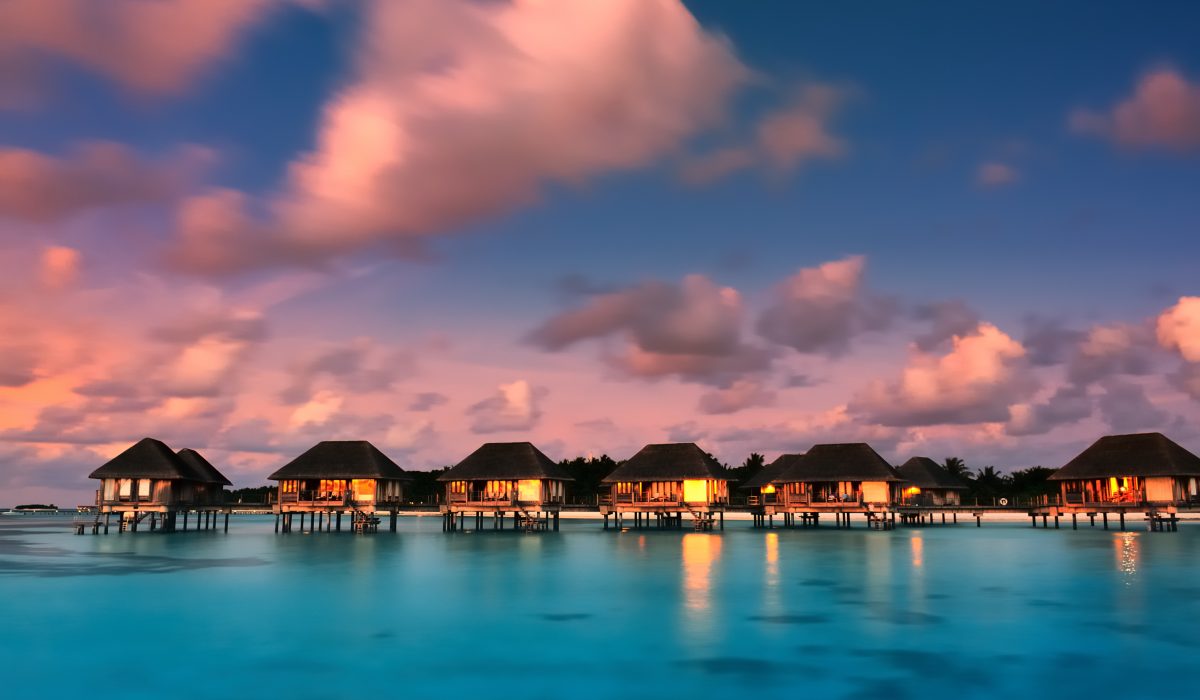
(515,485)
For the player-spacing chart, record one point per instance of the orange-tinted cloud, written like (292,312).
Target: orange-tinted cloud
(59,267)
(975,382)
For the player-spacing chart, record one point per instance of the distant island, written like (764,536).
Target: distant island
(36,506)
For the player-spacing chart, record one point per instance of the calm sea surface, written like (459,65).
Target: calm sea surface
(914,613)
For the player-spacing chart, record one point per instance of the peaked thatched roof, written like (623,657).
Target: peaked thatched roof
(669,462)
(1141,454)
(202,468)
(854,461)
(771,472)
(146,459)
(925,473)
(504,461)
(341,459)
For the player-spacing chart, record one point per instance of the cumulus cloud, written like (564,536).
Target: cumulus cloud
(513,406)
(1163,112)
(975,382)
(742,394)
(43,188)
(1049,341)
(946,319)
(821,309)
(58,267)
(996,174)
(691,330)
(459,110)
(359,365)
(1111,349)
(155,47)
(783,140)
(1178,328)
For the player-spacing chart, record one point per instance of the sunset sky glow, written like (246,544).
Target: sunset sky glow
(245,226)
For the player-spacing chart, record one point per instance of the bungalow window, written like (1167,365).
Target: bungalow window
(529,490)
(364,489)
(143,489)
(110,486)
(124,488)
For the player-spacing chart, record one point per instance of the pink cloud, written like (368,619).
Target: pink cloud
(41,188)
(783,140)
(691,330)
(1163,112)
(821,309)
(515,406)
(59,267)
(460,110)
(740,395)
(155,47)
(975,382)
(1178,328)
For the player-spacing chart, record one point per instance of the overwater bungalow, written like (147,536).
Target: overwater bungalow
(666,481)
(337,477)
(1144,470)
(761,487)
(836,478)
(930,484)
(151,482)
(502,478)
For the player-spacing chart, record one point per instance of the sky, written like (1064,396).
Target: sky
(245,226)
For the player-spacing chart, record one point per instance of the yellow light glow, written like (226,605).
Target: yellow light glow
(695,491)
(529,490)
(700,551)
(918,552)
(912,490)
(769,488)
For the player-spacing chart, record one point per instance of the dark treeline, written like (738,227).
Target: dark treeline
(986,484)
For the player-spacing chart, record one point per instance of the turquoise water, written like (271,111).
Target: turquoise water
(914,613)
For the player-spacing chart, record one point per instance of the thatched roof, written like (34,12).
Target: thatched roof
(146,459)
(669,462)
(854,461)
(925,473)
(341,459)
(506,461)
(202,468)
(1142,454)
(771,472)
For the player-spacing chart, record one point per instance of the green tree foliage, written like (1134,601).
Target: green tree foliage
(748,469)
(587,472)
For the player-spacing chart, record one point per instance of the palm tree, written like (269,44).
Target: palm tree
(957,467)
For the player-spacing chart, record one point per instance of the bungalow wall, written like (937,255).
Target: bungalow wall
(159,492)
(709,491)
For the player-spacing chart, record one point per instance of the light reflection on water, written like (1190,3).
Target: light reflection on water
(589,613)
(700,553)
(1128,554)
